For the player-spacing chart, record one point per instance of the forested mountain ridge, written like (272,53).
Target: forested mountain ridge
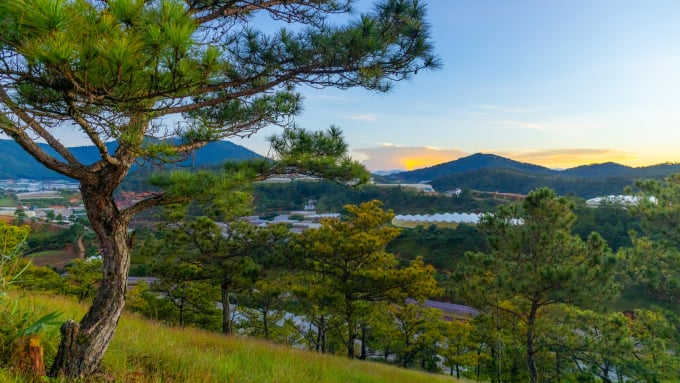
(466,164)
(16,163)
(480,161)
(488,172)
(484,172)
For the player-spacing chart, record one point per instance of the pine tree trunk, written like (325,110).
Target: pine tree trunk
(319,335)
(364,336)
(351,331)
(182,300)
(83,344)
(226,309)
(531,351)
(265,323)
(322,334)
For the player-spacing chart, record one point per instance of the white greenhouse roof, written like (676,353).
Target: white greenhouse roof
(441,217)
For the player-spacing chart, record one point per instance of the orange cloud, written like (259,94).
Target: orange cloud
(391,157)
(571,157)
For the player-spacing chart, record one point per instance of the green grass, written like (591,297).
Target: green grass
(44,202)
(146,351)
(47,253)
(8,202)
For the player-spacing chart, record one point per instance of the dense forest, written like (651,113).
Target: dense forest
(294,289)
(331,197)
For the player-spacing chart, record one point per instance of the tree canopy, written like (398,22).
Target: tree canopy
(348,262)
(536,263)
(140,72)
(654,259)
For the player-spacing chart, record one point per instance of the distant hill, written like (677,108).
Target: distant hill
(474,162)
(512,181)
(611,169)
(488,172)
(16,163)
(604,170)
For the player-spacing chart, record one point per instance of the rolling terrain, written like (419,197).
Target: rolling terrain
(483,172)
(16,163)
(488,172)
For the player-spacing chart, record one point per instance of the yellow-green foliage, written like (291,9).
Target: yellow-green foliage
(145,351)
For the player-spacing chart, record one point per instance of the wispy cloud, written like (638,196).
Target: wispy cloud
(521,125)
(370,117)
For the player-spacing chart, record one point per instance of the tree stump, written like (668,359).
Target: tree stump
(28,356)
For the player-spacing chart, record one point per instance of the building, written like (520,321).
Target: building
(433,219)
(423,188)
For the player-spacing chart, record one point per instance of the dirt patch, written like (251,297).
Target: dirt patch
(57,258)
(54,260)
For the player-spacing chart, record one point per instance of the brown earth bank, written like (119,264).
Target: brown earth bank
(57,259)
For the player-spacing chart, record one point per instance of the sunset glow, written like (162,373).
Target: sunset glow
(397,158)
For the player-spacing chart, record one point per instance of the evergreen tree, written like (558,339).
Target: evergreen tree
(353,267)
(138,71)
(536,262)
(654,259)
(224,254)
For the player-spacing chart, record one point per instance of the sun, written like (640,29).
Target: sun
(417,163)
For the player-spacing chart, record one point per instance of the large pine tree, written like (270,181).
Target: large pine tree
(536,263)
(130,70)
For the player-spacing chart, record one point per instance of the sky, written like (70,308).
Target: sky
(558,83)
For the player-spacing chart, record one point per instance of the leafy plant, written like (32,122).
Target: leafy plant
(15,320)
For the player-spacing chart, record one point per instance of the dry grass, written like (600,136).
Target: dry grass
(146,351)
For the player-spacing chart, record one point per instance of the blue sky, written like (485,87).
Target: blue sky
(558,83)
(553,82)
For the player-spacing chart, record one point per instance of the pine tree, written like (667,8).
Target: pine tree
(138,71)
(536,263)
(348,255)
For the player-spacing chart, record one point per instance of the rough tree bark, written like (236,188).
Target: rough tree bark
(84,344)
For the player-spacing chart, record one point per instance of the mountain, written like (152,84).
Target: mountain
(488,172)
(16,163)
(604,170)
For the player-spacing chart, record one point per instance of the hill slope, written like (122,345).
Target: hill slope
(147,351)
(511,181)
(466,164)
(16,163)
(488,172)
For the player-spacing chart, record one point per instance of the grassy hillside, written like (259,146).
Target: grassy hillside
(145,351)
